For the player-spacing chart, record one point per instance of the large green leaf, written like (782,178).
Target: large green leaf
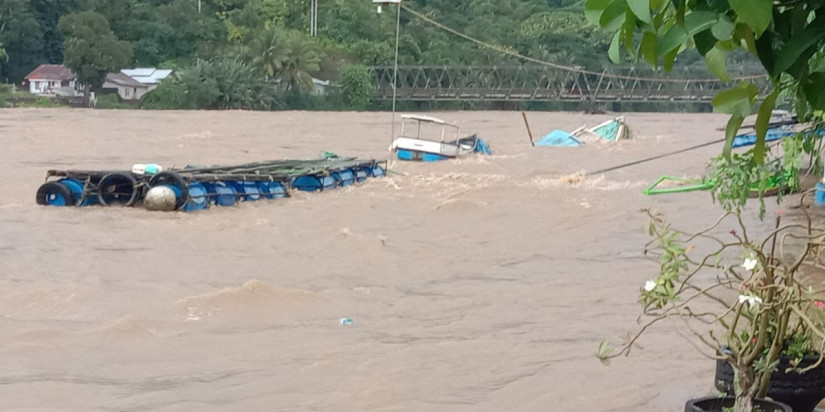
(628,30)
(674,37)
(647,48)
(641,8)
(763,120)
(755,13)
(723,29)
(680,11)
(715,60)
(798,44)
(613,52)
(815,90)
(732,128)
(736,101)
(745,34)
(670,58)
(677,35)
(700,21)
(704,41)
(614,15)
(594,9)
(765,51)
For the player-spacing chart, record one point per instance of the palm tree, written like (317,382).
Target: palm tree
(288,57)
(267,51)
(302,58)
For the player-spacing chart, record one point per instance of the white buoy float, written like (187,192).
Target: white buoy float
(161,198)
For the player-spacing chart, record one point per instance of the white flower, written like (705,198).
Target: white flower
(752,300)
(749,264)
(650,285)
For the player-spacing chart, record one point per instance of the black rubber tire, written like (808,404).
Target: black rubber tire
(54,187)
(118,180)
(174,179)
(801,391)
(716,403)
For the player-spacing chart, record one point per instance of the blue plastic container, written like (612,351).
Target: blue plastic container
(250,190)
(376,171)
(404,154)
(313,183)
(344,177)
(221,194)
(272,190)
(360,175)
(198,197)
(55,194)
(819,196)
(76,187)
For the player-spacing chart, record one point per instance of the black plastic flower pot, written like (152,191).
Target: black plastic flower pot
(718,404)
(801,391)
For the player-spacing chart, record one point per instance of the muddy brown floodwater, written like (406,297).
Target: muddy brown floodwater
(481,284)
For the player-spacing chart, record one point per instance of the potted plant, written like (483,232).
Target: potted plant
(741,298)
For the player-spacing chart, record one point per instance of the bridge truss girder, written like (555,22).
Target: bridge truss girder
(541,83)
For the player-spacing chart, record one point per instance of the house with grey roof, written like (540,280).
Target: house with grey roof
(127,88)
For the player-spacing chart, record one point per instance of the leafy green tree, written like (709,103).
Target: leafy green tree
(564,37)
(48,13)
(22,37)
(91,50)
(783,35)
(357,86)
(788,39)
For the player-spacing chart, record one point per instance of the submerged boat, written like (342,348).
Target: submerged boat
(610,131)
(432,145)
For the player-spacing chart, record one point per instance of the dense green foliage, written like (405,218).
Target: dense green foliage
(787,37)
(357,86)
(219,84)
(90,48)
(271,37)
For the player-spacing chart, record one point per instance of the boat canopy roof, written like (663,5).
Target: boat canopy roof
(428,119)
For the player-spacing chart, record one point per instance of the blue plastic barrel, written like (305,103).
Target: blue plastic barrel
(313,183)
(819,196)
(76,187)
(249,190)
(198,197)
(376,171)
(344,177)
(221,193)
(272,190)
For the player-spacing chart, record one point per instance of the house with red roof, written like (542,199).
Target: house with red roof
(54,79)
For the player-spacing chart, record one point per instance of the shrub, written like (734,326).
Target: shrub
(357,86)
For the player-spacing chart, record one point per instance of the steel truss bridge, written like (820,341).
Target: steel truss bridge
(547,84)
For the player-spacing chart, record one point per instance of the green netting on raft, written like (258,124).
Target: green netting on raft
(690,185)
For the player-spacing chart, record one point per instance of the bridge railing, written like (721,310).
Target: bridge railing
(541,83)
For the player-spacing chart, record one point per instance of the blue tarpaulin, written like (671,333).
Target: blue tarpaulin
(750,138)
(559,138)
(482,147)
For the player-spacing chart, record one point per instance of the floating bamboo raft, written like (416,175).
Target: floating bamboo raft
(198,188)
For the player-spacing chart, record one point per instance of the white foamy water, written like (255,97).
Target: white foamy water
(483,284)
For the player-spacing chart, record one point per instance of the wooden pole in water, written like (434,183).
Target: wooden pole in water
(529,133)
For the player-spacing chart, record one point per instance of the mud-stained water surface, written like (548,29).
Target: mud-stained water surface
(482,284)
